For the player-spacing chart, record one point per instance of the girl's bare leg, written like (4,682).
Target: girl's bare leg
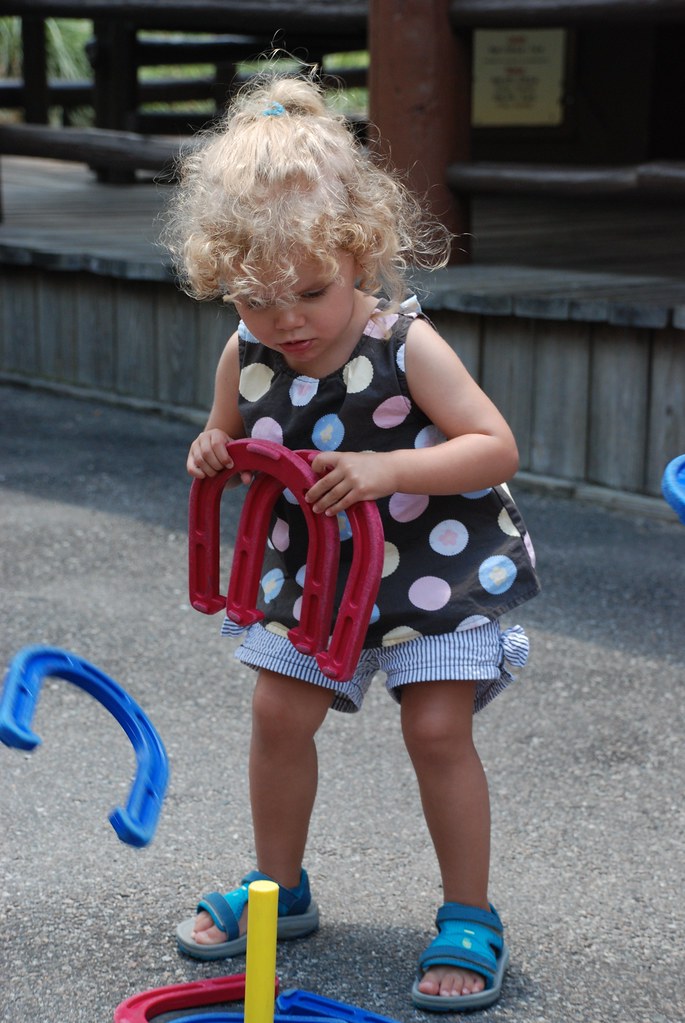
(286,714)
(437,729)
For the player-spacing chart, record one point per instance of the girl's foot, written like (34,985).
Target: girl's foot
(463,967)
(219,929)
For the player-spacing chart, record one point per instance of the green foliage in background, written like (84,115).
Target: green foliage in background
(10,48)
(66,39)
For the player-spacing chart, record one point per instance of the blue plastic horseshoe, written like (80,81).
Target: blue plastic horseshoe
(136,823)
(305,1003)
(673,486)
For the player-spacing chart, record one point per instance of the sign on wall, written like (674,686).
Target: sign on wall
(518,77)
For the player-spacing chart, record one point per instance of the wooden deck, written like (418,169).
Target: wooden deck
(533,256)
(59,207)
(57,214)
(571,316)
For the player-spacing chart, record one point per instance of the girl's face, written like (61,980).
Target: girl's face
(316,332)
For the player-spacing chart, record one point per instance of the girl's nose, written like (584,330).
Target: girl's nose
(289,317)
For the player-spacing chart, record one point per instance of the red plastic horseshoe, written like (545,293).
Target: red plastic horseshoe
(361,589)
(143,1007)
(281,467)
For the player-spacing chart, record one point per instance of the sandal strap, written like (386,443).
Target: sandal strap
(291,901)
(469,938)
(469,914)
(226,910)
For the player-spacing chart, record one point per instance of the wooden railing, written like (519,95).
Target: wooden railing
(654,179)
(94,146)
(528,13)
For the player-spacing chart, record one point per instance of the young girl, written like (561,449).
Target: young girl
(282,213)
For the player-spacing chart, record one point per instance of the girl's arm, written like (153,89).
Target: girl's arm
(479,452)
(208,454)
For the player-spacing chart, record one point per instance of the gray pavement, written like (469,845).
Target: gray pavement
(584,756)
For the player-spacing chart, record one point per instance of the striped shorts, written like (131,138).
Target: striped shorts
(479,654)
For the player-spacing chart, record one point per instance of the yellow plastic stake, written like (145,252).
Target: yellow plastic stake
(260,967)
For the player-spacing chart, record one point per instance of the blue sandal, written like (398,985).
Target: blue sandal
(298,915)
(470,939)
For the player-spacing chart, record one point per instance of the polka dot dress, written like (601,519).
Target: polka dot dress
(450,562)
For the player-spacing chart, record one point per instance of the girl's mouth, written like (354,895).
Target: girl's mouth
(296,347)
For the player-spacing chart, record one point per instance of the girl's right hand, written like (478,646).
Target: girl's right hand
(209,455)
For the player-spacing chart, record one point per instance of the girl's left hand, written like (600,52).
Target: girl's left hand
(348,477)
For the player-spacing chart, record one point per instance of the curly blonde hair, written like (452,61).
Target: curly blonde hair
(281,179)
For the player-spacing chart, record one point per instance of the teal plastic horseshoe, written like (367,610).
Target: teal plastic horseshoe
(135,823)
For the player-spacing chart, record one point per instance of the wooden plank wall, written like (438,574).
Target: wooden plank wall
(130,340)
(592,403)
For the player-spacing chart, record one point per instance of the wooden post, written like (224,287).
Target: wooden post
(114,86)
(420,100)
(35,70)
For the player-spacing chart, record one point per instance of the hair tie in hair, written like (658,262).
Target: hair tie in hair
(275,110)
